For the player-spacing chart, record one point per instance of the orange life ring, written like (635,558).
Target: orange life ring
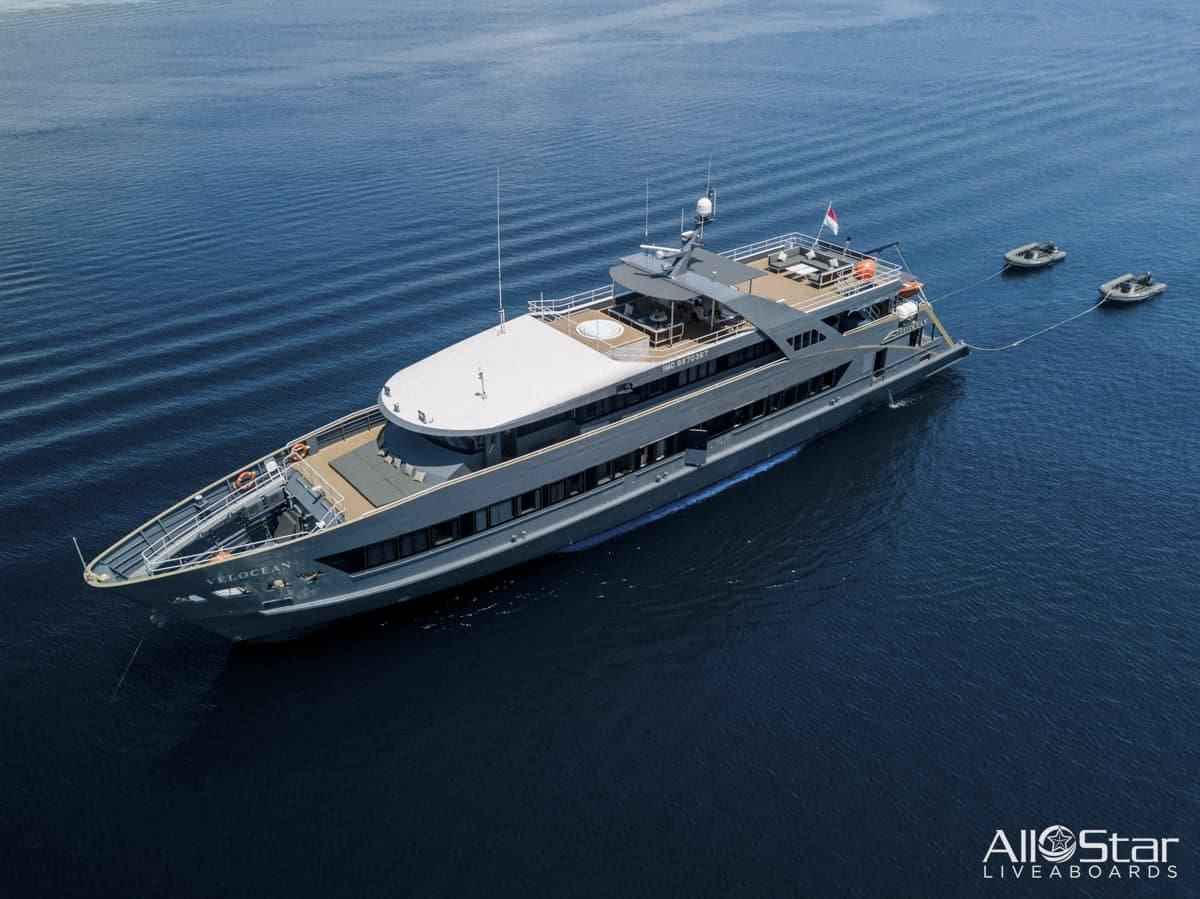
(864,270)
(220,556)
(299,451)
(909,289)
(244,481)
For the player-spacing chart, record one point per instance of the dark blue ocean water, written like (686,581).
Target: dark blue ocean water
(222,224)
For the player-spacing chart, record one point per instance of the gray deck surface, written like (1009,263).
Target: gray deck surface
(373,476)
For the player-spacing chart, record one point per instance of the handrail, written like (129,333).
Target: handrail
(178,562)
(570,304)
(346,426)
(337,502)
(795,239)
(669,351)
(219,512)
(215,513)
(782,242)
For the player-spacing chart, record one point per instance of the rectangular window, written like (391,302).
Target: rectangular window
(466,524)
(381,553)
(623,465)
(660,450)
(444,532)
(721,424)
(575,484)
(413,543)
(500,512)
(528,502)
(350,561)
(556,492)
(481,520)
(603,473)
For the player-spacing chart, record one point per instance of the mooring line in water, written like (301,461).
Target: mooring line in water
(968,286)
(944,296)
(1017,343)
(126,671)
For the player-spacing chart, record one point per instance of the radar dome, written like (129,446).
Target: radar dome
(704,207)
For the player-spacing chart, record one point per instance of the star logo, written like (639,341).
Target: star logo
(1056,843)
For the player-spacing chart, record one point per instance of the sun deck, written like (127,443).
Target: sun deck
(797,289)
(802,272)
(320,461)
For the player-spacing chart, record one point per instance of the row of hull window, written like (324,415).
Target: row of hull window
(805,339)
(609,405)
(498,514)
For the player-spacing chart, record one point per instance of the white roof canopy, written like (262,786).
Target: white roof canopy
(531,371)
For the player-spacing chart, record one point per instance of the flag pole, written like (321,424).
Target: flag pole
(821,230)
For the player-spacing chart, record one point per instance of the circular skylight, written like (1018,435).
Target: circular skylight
(599,329)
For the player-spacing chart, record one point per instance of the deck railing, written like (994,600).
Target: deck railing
(177,562)
(644,353)
(345,427)
(210,515)
(269,476)
(337,502)
(794,240)
(565,305)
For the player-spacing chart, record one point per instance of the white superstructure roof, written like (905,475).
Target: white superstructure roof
(530,371)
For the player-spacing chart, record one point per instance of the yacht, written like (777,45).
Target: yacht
(546,431)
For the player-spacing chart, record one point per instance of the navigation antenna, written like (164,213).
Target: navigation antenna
(499,271)
(646,228)
(706,207)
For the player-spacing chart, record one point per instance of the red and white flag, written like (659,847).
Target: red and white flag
(831,219)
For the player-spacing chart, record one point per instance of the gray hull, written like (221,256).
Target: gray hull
(302,605)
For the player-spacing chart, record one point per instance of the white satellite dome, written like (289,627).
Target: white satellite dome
(704,207)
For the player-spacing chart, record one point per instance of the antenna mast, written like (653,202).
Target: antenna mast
(499,271)
(646,229)
(706,208)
